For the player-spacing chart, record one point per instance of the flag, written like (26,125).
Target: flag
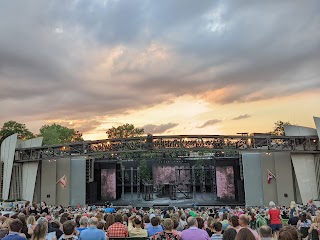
(63,181)
(270,176)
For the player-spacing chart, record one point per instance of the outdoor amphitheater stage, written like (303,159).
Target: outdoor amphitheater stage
(210,182)
(201,200)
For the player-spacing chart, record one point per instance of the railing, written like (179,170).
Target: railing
(207,144)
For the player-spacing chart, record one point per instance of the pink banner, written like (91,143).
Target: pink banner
(163,174)
(225,182)
(108,184)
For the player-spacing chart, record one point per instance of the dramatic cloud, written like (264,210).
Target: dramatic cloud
(77,59)
(158,129)
(241,117)
(80,125)
(209,123)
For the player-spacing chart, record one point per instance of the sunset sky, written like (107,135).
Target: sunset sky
(170,66)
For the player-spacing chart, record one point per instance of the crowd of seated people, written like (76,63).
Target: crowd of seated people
(97,222)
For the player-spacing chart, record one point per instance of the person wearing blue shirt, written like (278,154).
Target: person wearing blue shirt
(154,228)
(92,233)
(83,224)
(15,228)
(110,209)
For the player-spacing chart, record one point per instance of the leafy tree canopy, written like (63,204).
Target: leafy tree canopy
(278,128)
(57,134)
(124,131)
(12,127)
(145,172)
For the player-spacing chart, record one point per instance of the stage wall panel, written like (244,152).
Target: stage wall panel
(108,184)
(225,182)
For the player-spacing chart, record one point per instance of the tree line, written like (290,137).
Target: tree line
(58,134)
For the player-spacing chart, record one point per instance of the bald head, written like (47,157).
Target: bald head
(265,232)
(93,221)
(192,222)
(83,221)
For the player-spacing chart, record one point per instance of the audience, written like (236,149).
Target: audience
(93,222)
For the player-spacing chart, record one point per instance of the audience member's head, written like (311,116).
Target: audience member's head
(83,221)
(288,233)
(200,222)
(93,221)
(234,220)
(118,218)
(244,220)
(15,225)
(69,227)
(229,234)
(41,229)
(217,226)
(192,222)
(168,224)
(272,204)
(100,225)
(245,234)
(155,221)
(265,232)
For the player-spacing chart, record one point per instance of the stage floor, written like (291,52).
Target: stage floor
(206,199)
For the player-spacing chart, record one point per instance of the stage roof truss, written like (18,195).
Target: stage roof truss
(216,144)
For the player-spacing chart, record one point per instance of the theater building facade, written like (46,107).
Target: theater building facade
(177,170)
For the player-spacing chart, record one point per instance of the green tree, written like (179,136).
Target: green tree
(278,128)
(57,134)
(12,127)
(124,131)
(145,173)
(198,165)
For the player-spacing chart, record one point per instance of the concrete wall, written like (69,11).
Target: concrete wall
(7,156)
(34,142)
(30,169)
(255,171)
(63,194)
(304,167)
(78,181)
(29,175)
(317,123)
(37,187)
(284,174)
(252,179)
(281,189)
(48,181)
(269,190)
(292,130)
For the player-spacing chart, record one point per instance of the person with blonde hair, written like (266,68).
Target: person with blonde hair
(5,227)
(31,224)
(293,208)
(41,230)
(315,226)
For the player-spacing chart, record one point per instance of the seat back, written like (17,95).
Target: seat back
(304,232)
(314,235)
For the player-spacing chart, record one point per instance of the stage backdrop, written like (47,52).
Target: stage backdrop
(225,183)
(108,184)
(165,173)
